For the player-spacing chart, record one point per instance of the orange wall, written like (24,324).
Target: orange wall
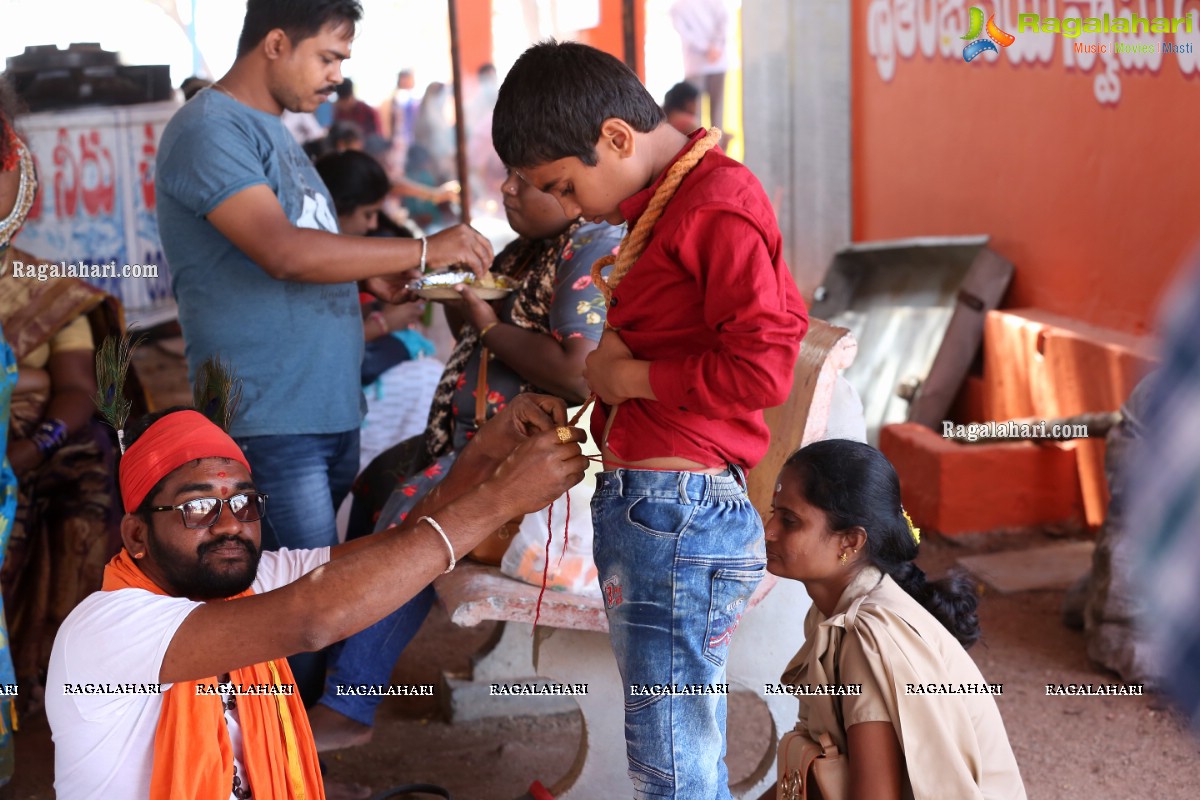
(475,34)
(1094,200)
(610,36)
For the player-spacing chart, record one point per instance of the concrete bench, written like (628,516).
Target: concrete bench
(572,642)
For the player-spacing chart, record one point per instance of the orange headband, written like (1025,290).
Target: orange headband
(166,446)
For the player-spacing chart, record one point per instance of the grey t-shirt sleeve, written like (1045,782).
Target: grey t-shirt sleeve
(200,182)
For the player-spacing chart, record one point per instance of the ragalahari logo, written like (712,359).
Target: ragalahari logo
(979,46)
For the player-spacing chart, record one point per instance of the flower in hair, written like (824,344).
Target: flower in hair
(11,149)
(912,529)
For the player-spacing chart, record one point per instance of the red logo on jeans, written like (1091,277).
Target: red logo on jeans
(612,592)
(726,636)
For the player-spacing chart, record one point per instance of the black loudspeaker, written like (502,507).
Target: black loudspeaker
(84,74)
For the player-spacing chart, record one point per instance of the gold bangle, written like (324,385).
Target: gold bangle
(483,331)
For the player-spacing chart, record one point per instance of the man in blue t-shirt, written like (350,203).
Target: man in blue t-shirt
(262,277)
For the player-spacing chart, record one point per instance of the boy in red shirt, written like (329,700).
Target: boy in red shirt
(706,328)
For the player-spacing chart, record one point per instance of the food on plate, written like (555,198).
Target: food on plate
(440,285)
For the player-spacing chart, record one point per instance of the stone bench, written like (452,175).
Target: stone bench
(572,642)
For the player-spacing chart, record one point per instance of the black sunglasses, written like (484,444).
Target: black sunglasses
(203,512)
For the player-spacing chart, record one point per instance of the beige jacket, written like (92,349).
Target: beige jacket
(954,744)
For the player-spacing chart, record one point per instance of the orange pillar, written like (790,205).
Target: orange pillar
(475,35)
(609,35)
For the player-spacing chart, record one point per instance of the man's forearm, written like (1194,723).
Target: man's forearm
(254,221)
(471,468)
(368,579)
(469,471)
(373,576)
(401,562)
(312,256)
(467,505)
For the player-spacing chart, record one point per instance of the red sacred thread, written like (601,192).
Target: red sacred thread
(537,613)
(566,529)
(550,528)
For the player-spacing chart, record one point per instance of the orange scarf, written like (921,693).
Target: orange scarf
(193,757)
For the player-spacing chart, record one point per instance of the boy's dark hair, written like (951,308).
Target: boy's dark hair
(354,179)
(133,432)
(345,89)
(679,96)
(556,97)
(855,485)
(299,19)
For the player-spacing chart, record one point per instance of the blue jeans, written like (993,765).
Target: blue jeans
(678,555)
(305,477)
(368,657)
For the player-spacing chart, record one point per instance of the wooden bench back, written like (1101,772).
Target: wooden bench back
(804,416)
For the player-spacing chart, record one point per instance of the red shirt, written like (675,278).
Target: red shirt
(711,304)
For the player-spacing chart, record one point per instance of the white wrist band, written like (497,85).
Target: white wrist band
(424,252)
(433,524)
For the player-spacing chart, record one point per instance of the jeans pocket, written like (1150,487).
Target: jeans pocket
(659,516)
(731,591)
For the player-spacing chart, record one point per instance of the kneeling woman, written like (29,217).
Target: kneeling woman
(837,526)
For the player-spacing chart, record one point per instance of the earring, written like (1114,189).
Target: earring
(843,558)
(139,555)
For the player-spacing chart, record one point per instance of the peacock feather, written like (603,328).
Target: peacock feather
(217,392)
(112,367)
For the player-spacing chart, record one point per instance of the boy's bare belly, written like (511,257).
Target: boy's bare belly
(612,461)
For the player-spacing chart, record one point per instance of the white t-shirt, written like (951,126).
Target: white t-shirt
(104,742)
(702,24)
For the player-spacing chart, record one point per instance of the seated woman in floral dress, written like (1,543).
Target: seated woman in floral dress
(535,339)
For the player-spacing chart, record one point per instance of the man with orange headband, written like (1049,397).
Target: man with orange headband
(172,682)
